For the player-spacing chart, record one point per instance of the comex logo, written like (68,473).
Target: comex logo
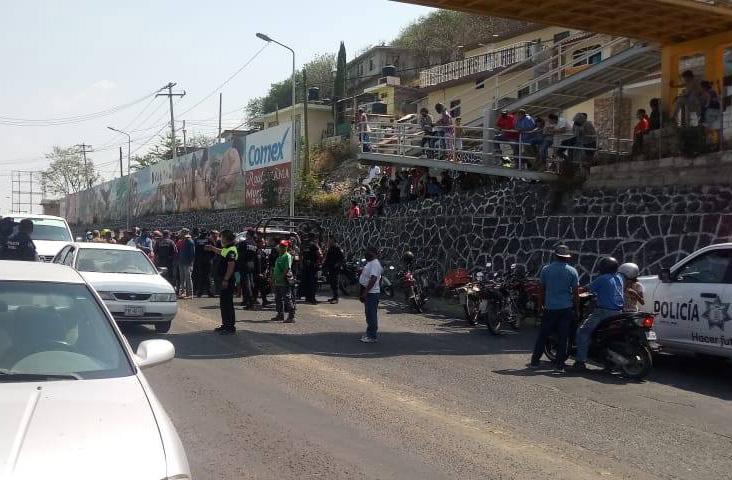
(266,154)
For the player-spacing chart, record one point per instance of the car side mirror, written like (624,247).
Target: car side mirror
(79,239)
(154,352)
(665,275)
(162,270)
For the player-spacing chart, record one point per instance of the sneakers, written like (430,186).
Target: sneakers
(290,319)
(333,301)
(579,365)
(277,318)
(533,366)
(367,339)
(219,328)
(227,331)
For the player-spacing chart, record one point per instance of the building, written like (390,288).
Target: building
(51,207)
(320,120)
(366,69)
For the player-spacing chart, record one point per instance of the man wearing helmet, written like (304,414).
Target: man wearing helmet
(633,291)
(608,290)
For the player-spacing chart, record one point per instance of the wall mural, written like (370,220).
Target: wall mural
(208,179)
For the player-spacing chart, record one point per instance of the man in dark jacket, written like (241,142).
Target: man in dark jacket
(6,229)
(311,258)
(334,260)
(186,258)
(202,266)
(165,252)
(20,246)
(247,267)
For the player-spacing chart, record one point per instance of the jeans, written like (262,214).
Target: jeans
(429,141)
(584,332)
(558,321)
(309,283)
(248,288)
(283,300)
(372,314)
(226,305)
(365,141)
(333,282)
(201,275)
(186,281)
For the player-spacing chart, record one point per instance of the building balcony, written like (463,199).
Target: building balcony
(487,62)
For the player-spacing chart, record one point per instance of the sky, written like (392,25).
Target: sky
(74,57)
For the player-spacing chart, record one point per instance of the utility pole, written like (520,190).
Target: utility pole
(84,151)
(306,142)
(121,173)
(185,143)
(170,96)
(221,95)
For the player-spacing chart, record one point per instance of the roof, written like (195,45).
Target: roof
(34,215)
(17,271)
(376,47)
(103,246)
(662,21)
(285,111)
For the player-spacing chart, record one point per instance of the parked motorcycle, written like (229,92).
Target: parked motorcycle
(524,290)
(623,342)
(348,278)
(414,285)
(491,299)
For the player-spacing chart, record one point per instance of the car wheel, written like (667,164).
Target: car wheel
(162,327)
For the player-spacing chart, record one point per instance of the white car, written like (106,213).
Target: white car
(128,282)
(691,302)
(74,403)
(50,234)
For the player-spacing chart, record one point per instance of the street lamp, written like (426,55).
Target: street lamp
(129,177)
(268,39)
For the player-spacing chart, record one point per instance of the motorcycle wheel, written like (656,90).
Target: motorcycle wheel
(493,320)
(472,310)
(416,304)
(639,363)
(550,349)
(388,291)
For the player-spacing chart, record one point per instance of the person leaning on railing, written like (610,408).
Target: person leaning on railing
(427,126)
(585,138)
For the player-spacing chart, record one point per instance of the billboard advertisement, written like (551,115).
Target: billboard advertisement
(267,166)
(249,171)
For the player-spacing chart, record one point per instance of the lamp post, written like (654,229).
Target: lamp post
(268,39)
(129,177)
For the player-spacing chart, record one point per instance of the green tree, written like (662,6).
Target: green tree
(339,84)
(67,172)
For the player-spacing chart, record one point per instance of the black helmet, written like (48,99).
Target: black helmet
(518,269)
(408,257)
(608,265)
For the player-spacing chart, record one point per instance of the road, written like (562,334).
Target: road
(433,400)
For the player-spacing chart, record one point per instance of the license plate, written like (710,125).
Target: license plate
(651,335)
(134,311)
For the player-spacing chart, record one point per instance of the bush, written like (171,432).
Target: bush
(327,202)
(325,158)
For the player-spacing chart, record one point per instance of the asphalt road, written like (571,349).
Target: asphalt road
(433,400)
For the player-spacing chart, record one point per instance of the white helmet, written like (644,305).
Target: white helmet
(629,270)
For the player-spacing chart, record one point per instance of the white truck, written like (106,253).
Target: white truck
(691,302)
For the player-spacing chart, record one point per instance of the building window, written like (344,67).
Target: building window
(580,57)
(455,108)
(371,64)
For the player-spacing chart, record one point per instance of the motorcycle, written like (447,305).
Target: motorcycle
(491,299)
(350,273)
(415,286)
(624,342)
(524,290)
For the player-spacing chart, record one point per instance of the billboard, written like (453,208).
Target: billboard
(250,171)
(267,166)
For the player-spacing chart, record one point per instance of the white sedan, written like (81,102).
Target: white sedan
(74,403)
(126,279)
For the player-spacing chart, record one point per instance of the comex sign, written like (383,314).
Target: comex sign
(269,147)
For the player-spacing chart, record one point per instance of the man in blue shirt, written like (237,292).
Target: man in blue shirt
(559,291)
(608,290)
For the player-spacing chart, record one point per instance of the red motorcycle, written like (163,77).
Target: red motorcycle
(524,290)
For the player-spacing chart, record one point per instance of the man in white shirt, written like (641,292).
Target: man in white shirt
(370,281)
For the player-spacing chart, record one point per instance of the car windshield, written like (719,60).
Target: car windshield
(48,229)
(110,260)
(56,330)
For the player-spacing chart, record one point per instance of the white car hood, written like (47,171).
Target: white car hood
(80,429)
(127,282)
(49,247)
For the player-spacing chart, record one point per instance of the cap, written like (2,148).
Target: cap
(284,243)
(184,231)
(214,232)
(562,251)
(157,233)
(504,110)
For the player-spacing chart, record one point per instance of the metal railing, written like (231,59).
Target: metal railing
(486,62)
(508,149)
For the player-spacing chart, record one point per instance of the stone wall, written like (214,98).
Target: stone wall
(512,221)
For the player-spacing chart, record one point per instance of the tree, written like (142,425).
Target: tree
(67,173)
(439,33)
(339,84)
(199,140)
(163,149)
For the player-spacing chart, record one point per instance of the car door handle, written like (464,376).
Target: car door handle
(708,295)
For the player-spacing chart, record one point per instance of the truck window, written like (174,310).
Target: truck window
(710,267)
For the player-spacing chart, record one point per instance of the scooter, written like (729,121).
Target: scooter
(623,342)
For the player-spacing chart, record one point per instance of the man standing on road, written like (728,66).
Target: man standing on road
(226,268)
(247,266)
(311,257)
(559,295)
(334,260)
(186,257)
(20,246)
(370,280)
(281,280)
(165,252)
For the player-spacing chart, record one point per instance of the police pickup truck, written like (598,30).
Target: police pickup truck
(691,302)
